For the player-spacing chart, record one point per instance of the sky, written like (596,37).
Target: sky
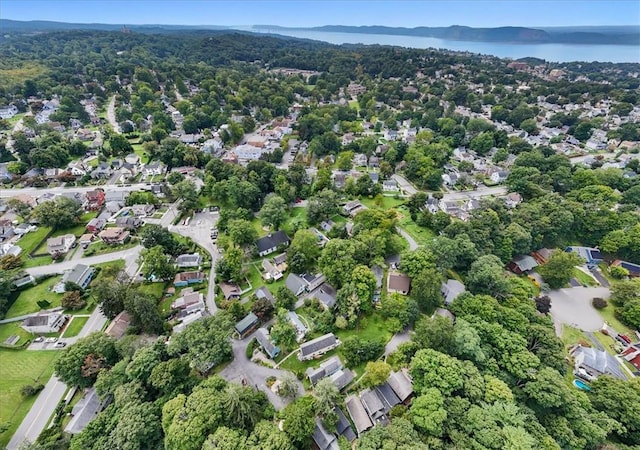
(475,13)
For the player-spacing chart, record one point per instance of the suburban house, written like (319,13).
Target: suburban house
(634,269)
(188,298)
(129,222)
(189,260)
(86,239)
(118,325)
(115,235)
(49,322)
(85,411)
(187,278)
(323,439)
(95,199)
(441,312)
(632,355)
(264,293)
(280,261)
(313,281)
(264,340)
(154,168)
(451,290)
(145,210)
(326,368)
(230,291)
(115,196)
(398,282)
(358,414)
(591,255)
(353,207)
(522,264)
(58,246)
(301,329)
(102,171)
(271,272)
(326,295)
(318,346)
(246,326)
(80,275)
(272,242)
(96,225)
(401,385)
(589,363)
(343,426)
(24,280)
(295,284)
(390,186)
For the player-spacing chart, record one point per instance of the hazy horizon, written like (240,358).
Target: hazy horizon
(410,14)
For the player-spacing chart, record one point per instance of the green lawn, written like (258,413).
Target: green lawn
(155,289)
(30,241)
(100,248)
(75,326)
(13,329)
(138,150)
(119,264)
(609,316)
(571,335)
(388,202)
(420,234)
(19,368)
(26,303)
(38,261)
(583,278)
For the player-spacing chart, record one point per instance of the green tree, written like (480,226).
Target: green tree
(428,413)
(157,264)
(225,439)
(326,398)
(80,363)
(432,369)
(273,212)
(299,420)
(322,206)
(152,235)
(620,400)
(303,251)
(376,373)
(244,406)
(558,270)
(58,214)
(285,299)
(425,289)
(399,310)
(144,312)
(283,332)
(186,191)
(242,232)
(486,276)
(120,145)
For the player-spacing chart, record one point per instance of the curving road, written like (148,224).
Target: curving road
(130,257)
(111,115)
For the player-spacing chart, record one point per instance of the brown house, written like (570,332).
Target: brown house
(398,282)
(115,235)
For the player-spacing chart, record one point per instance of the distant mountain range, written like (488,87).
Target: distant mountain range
(611,35)
(605,35)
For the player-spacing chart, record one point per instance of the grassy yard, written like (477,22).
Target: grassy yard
(30,241)
(420,234)
(138,150)
(388,202)
(571,335)
(100,248)
(20,368)
(118,264)
(609,316)
(13,329)
(26,303)
(583,278)
(75,326)
(155,289)
(38,261)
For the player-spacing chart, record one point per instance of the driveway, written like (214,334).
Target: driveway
(241,369)
(572,306)
(412,242)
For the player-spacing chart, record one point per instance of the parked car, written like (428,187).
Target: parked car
(38,339)
(51,340)
(60,344)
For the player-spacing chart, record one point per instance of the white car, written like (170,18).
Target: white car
(51,340)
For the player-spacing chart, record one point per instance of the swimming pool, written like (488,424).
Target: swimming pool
(581,385)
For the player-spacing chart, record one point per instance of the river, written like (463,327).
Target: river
(549,52)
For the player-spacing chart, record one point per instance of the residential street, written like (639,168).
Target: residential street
(111,115)
(572,306)
(404,184)
(5,193)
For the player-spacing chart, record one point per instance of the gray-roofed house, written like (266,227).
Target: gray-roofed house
(143,210)
(80,275)
(60,245)
(263,292)
(401,385)
(129,222)
(322,439)
(343,427)
(388,396)
(358,414)
(318,346)
(50,322)
(398,282)
(263,338)
(295,284)
(522,264)
(84,411)
(272,242)
(301,329)
(590,363)
(325,369)
(271,272)
(451,290)
(247,325)
(342,378)
(326,295)
(374,406)
(189,260)
(230,291)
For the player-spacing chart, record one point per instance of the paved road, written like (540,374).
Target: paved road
(579,159)
(4,193)
(241,369)
(199,229)
(111,115)
(38,416)
(404,184)
(412,243)
(396,340)
(479,193)
(129,255)
(572,306)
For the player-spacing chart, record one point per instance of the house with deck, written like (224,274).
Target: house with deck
(318,347)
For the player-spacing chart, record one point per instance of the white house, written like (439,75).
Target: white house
(8,112)
(44,323)
(60,245)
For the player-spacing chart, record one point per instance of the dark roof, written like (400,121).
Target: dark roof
(326,295)
(342,378)
(401,385)
(271,241)
(262,335)
(373,404)
(322,438)
(399,282)
(525,262)
(631,267)
(358,414)
(388,396)
(247,323)
(264,292)
(317,344)
(343,426)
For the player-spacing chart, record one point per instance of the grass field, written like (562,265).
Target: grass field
(30,241)
(609,316)
(20,368)
(583,278)
(571,335)
(420,234)
(75,326)
(387,202)
(13,329)
(100,248)
(26,303)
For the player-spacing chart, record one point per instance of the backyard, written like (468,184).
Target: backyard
(18,369)
(27,301)
(420,234)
